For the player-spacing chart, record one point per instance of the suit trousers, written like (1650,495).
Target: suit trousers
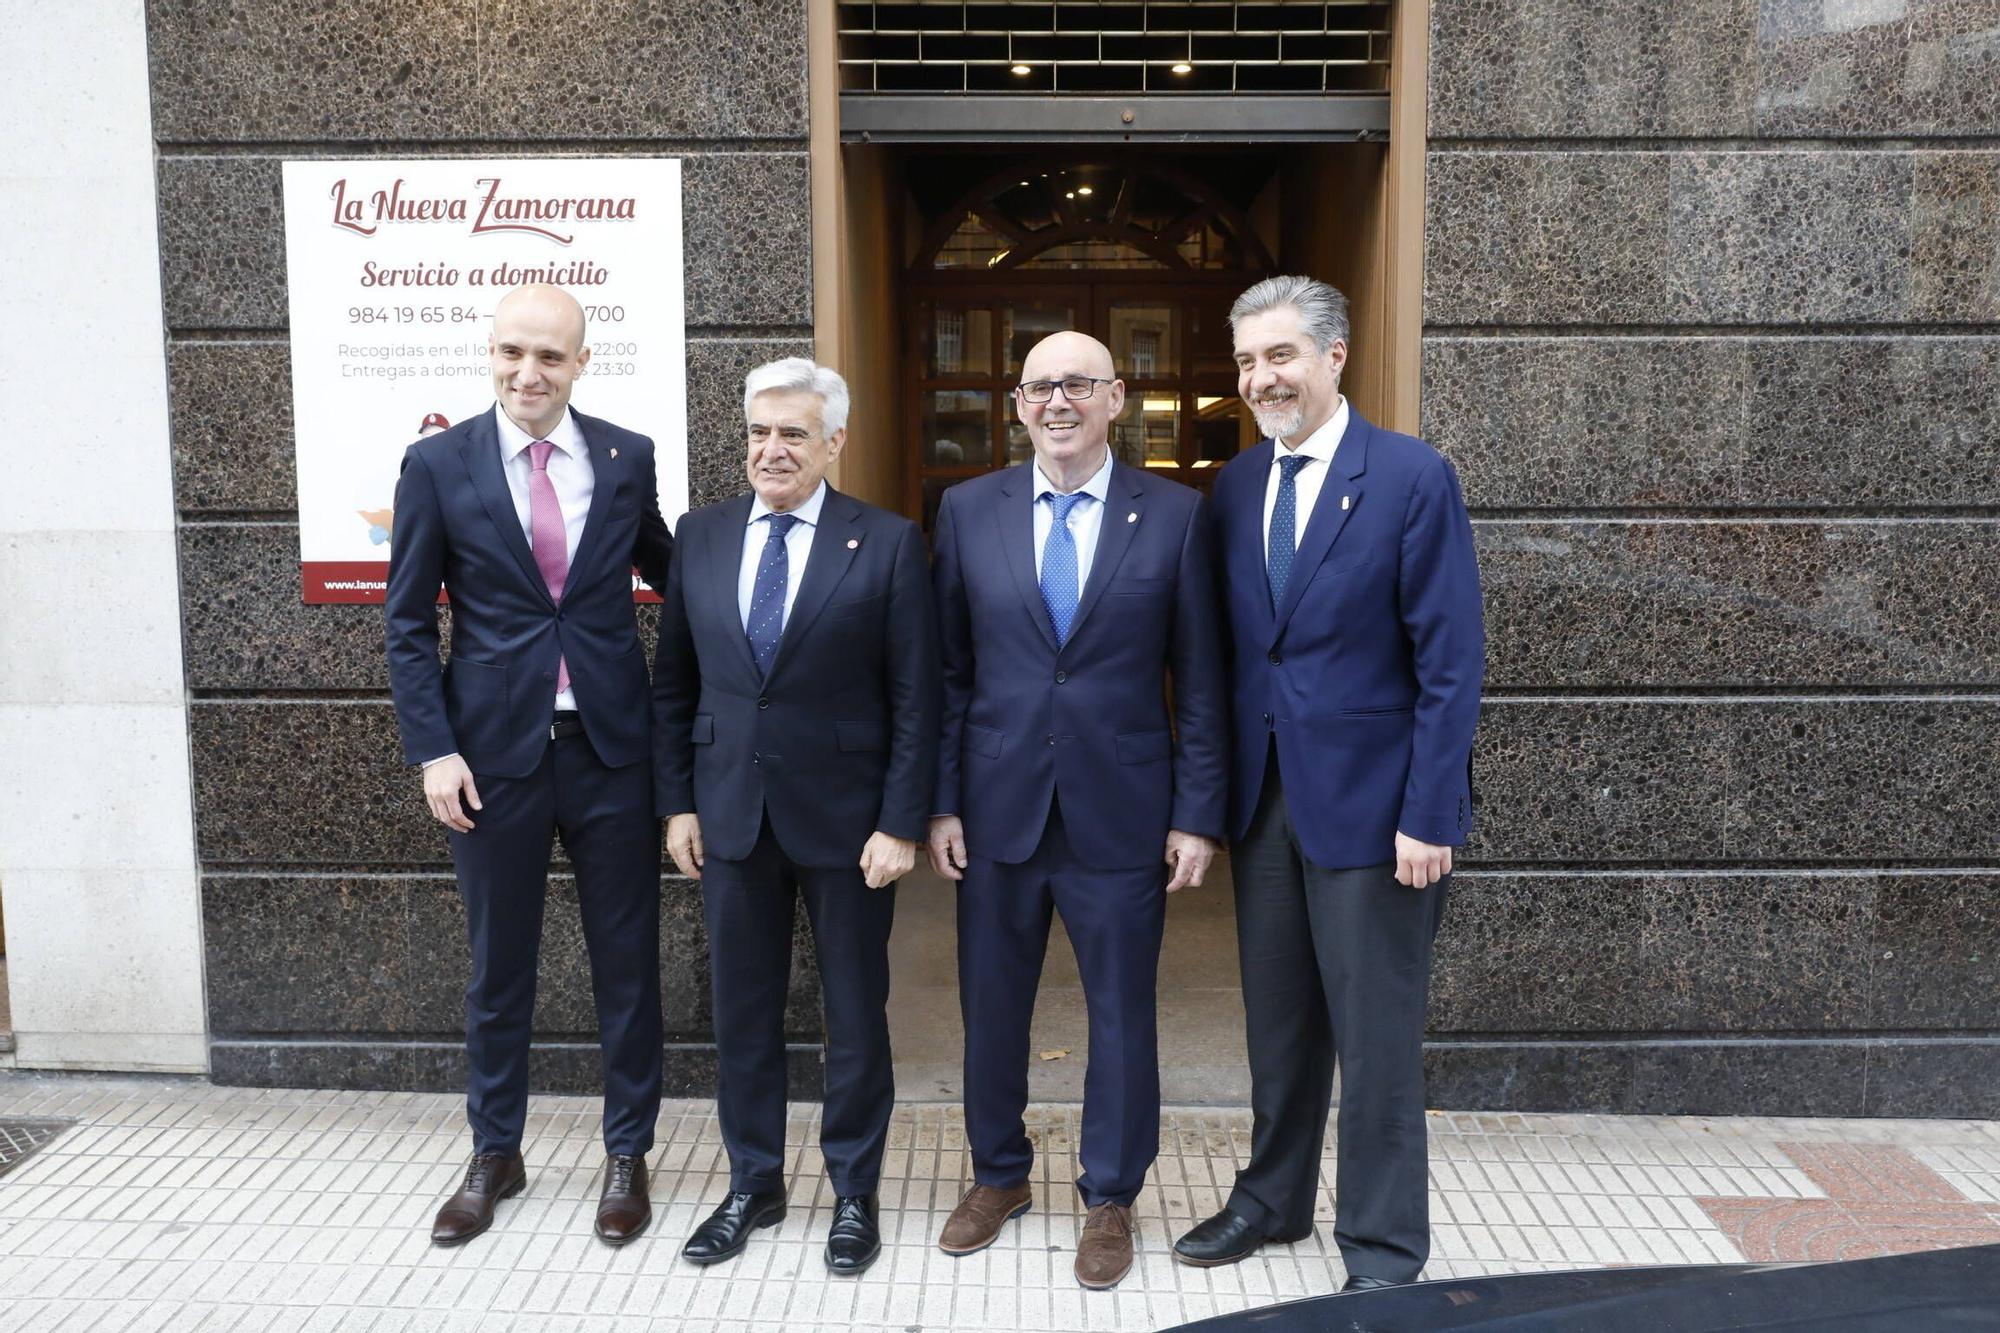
(1115,920)
(1336,964)
(749,909)
(605,819)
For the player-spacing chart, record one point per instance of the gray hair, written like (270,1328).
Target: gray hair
(794,374)
(1322,309)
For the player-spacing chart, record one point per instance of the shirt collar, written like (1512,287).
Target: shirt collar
(807,513)
(513,439)
(1096,488)
(1322,442)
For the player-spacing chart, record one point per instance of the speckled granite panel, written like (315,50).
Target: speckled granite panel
(1602,422)
(222,242)
(1940,1078)
(231,405)
(715,371)
(1708,603)
(1650,1078)
(1614,68)
(364,804)
(746,232)
(571,1067)
(648,69)
(1538,953)
(245,625)
(350,70)
(1527,1076)
(1937,953)
(1914,67)
(1861,779)
(1711,238)
(1615,780)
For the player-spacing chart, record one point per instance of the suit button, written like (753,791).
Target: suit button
(756,758)
(763,703)
(1052,738)
(1277,659)
(1267,719)
(1061,676)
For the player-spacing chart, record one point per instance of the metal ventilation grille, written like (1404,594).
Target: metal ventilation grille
(1081,46)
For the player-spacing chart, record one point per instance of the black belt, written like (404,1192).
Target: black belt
(567,723)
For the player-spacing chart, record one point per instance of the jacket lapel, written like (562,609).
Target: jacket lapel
(1250,584)
(722,549)
(836,541)
(1338,498)
(1016,520)
(607,475)
(1115,528)
(481,454)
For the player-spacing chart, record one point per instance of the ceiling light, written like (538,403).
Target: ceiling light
(1022,70)
(1083,189)
(1182,68)
(1069,194)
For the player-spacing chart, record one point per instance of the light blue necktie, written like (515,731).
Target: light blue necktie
(1284,543)
(1059,581)
(767,595)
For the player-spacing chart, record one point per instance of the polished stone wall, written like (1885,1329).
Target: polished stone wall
(1711,296)
(334,939)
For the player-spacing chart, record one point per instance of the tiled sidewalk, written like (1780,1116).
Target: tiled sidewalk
(175,1205)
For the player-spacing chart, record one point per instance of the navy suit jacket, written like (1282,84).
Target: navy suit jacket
(1369,670)
(1026,721)
(840,740)
(456,524)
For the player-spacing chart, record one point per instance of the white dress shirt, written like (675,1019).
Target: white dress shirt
(569,472)
(798,549)
(1318,446)
(1085,520)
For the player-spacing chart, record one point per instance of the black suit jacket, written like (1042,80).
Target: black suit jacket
(456,524)
(841,739)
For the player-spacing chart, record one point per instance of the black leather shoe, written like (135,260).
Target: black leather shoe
(728,1228)
(855,1239)
(1225,1239)
(1360,1283)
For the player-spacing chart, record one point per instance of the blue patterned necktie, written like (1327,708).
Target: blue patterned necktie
(1059,581)
(1284,541)
(767,595)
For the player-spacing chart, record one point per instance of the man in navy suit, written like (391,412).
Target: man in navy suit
(1074,593)
(533,516)
(1358,650)
(796,707)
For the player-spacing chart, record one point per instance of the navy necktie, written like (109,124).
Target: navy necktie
(767,595)
(1284,542)
(1059,582)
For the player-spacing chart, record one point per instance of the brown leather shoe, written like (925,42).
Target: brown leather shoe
(491,1178)
(977,1220)
(1104,1250)
(624,1209)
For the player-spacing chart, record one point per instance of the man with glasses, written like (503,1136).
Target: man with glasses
(1073,594)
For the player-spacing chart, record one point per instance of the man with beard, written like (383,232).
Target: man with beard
(1358,648)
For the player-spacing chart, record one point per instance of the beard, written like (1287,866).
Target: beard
(1280,420)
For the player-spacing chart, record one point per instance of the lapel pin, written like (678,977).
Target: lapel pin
(853,543)
(1132,517)
(614,453)
(1343,501)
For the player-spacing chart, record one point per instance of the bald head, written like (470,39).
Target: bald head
(1071,429)
(536,353)
(1065,354)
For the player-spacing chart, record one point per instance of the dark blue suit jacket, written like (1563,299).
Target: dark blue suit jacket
(456,524)
(841,738)
(1026,721)
(1369,670)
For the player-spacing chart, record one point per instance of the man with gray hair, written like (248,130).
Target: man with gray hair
(1358,647)
(796,714)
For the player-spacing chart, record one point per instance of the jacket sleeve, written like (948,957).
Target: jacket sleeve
(655,545)
(1200,686)
(954,628)
(410,618)
(1442,615)
(676,693)
(915,696)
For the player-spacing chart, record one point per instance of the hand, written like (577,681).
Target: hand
(1189,855)
(684,843)
(947,846)
(444,782)
(887,858)
(1420,864)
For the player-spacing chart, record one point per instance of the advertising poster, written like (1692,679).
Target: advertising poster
(395,267)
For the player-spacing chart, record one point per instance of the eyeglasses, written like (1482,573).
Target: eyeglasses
(1076,388)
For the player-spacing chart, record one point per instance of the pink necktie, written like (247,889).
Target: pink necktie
(547,534)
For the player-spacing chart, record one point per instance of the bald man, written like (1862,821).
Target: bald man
(534,516)
(1074,595)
